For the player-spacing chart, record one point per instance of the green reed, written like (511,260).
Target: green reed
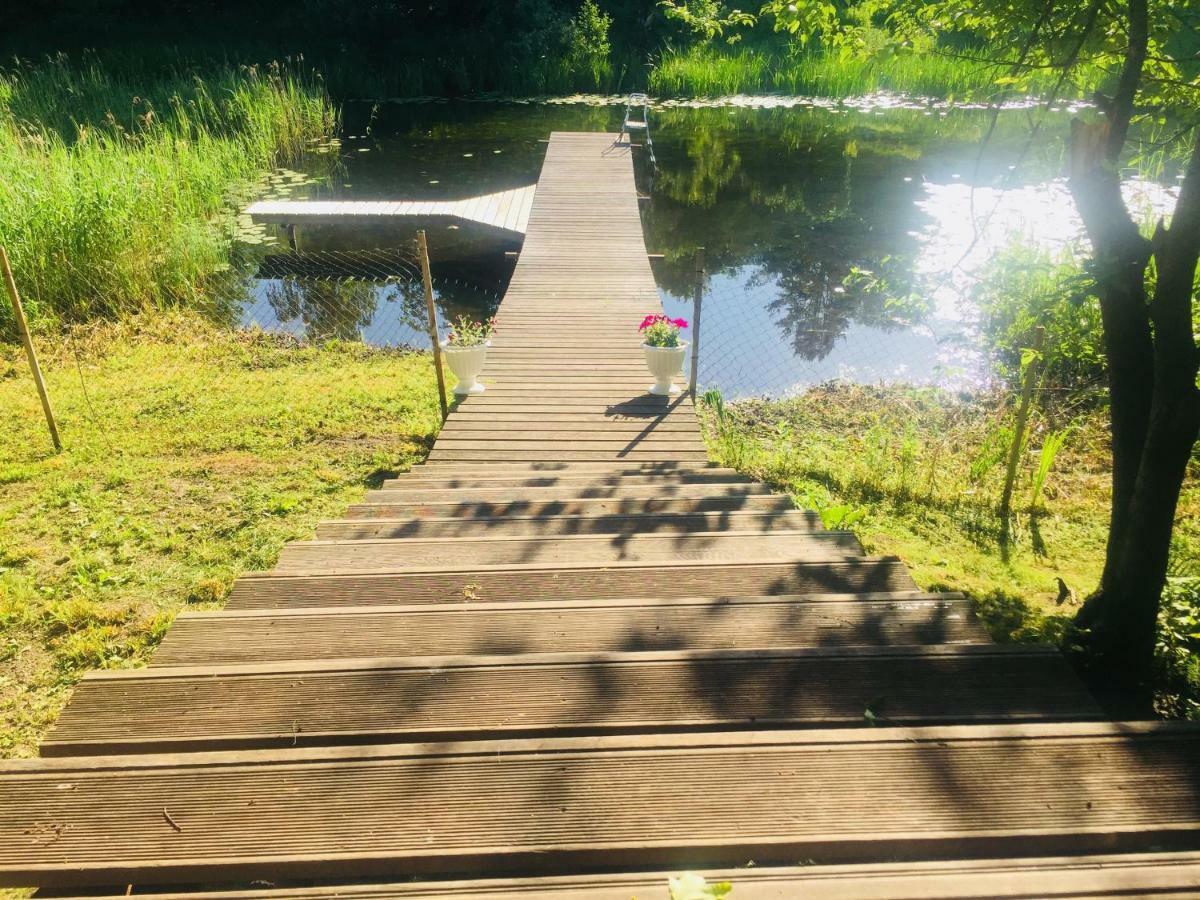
(706,71)
(117,187)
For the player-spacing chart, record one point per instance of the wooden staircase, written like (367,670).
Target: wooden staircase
(568,656)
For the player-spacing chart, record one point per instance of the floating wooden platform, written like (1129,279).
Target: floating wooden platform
(506,210)
(567,656)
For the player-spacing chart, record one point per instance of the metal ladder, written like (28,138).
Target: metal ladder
(639,105)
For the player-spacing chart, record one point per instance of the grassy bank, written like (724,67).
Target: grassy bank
(918,473)
(705,71)
(117,184)
(192,455)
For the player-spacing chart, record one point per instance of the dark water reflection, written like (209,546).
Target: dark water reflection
(789,204)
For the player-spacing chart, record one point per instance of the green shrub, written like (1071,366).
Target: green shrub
(1024,288)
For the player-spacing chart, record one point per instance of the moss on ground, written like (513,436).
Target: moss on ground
(191,455)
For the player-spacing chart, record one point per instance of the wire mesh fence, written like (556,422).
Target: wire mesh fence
(273,330)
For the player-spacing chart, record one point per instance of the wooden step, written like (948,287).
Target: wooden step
(485,479)
(1162,875)
(588,804)
(566,454)
(539,468)
(582,485)
(590,420)
(613,444)
(480,427)
(565,626)
(534,398)
(395,554)
(543,526)
(585,506)
(385,700)
(615,581)
(644,489)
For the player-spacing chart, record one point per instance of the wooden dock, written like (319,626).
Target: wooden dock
(505,210)
(567,656)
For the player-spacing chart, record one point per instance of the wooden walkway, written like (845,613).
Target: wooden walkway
(567,656)
(506,210)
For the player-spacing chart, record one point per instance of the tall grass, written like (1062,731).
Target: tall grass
(705,71)
(116,189)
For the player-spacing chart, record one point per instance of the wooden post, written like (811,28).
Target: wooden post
(1014,454)
(30,353)
(293,234)
(427,278)
(697,302)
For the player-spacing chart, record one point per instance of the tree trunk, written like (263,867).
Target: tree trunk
(1120,255)
(1118,624)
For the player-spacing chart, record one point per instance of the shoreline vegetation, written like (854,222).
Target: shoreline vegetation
(703,71)
(117,190)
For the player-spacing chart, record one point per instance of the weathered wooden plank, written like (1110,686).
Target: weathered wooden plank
(426,554)
(299,703)
(1167,876)
(571,490)
(483,477)
(564,805)
(464,507)
(614,581)
(549,454)
(545,526)
(564,626)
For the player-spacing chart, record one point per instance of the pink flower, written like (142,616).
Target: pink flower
(660,319)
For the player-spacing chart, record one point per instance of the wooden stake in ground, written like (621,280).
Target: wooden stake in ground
(427,278)
(30,353)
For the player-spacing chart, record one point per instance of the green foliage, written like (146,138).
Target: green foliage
(1052,443)
(1179,647)
(115,193)
(588,47)
(468,332)
(707,19)
(692,886)
(1024,288)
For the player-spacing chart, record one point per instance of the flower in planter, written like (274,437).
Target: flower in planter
(467,333)
(661,331)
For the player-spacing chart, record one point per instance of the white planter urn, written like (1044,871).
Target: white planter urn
(664,364)
(466,363)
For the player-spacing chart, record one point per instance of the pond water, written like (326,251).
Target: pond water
(814,219)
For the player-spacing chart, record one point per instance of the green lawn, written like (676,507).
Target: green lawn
(194,455)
